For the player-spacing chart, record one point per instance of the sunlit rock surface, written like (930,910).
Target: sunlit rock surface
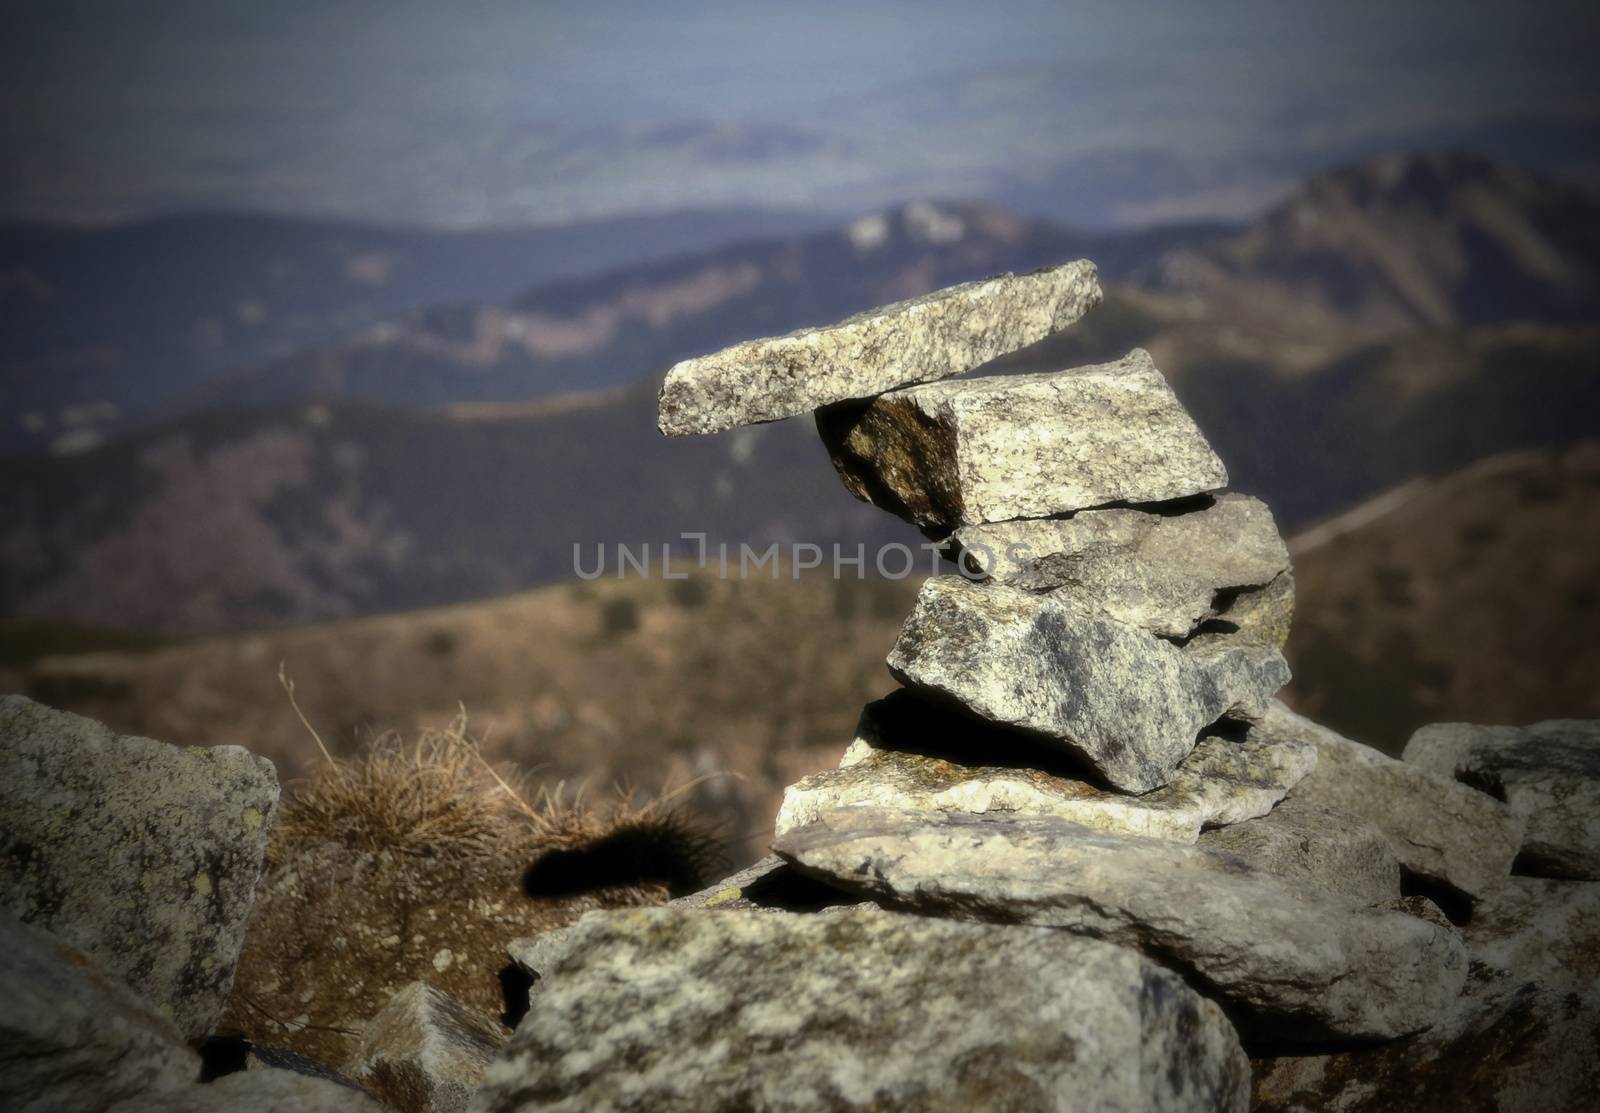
(1166,572)
(1125,702)
(1291,963)
(143,855)
(688,1009)
(944,333)
(913,755)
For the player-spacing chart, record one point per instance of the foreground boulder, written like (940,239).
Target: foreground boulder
(1549,775)
(425,1052)
(1523,1038)
(1443,832)
(944,333)
(141,854)
(72,1037)
(1127,703)
(1534,929)
(683,1009)
(1290,962)
(959,453)
(1165,572)
(1328,850)
(913,755)
(268,1090)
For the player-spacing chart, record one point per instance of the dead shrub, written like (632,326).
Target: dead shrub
(438,796)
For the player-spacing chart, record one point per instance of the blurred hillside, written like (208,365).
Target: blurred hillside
(1395,320)
(1467,597)
(1401,317)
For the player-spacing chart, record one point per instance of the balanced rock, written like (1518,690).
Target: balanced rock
(1548,773)
(141,854)
(913,755)
(1331,851)
(951,454)
(425,1052)
(1165,572)
(1442,831)
(1126,702)
(682,1009)
(944,333)
(72,1036)
(1291,963)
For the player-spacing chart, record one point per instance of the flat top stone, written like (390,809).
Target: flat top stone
(908,753)
(993,449)
(688,1009)
(1294,962)
(934,336)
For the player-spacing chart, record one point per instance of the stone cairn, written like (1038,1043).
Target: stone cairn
(1054,872)
(1081,860)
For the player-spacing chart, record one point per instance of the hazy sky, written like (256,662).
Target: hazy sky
(511,110)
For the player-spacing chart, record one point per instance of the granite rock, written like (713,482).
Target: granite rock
(1442,831)
(1336,853)
(141,854)
(73,1037)
(1265,613)
(1127,703)
(1541,930)
(1522,1038)
(914,755)
(685,1009)
(1165,572)
(425,1052)
(944,333)
(949,454)
(1290,962)
(768,885)
(1549,774)
(258,1091)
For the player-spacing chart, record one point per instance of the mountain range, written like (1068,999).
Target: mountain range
(461,451)
(110,326)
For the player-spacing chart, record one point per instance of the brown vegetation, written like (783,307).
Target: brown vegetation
(410,861)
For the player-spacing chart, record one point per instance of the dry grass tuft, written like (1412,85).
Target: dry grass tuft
(438,796)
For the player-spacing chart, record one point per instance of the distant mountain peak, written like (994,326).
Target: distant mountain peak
(1432,239)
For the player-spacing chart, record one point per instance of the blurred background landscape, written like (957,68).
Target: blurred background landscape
(328,329)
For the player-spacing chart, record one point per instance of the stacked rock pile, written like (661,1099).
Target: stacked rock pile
(1091,689)
(1082,858)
